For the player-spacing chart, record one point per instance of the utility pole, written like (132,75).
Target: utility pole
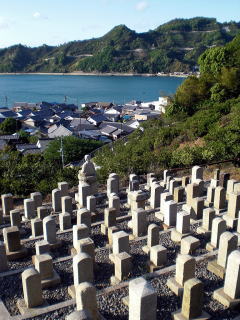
(65,99)
(62,153)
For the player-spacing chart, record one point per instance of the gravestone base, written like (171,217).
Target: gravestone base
(177,236)
(216,269)
(224,299)
(114,281)
(210,247)
(72,291)
(112,257)
(104,229)
(15,255)
(125,301)
(219,212)
(23,309)
(146,249)
(231,222)
(177,315)
(159,216)
(51,282)
(175,287)
(208,203)
(205,232)
(152,267)
(55,245)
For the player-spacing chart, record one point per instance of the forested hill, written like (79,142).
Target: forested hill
(172,47)
(202,124)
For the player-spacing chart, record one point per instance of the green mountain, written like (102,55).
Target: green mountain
(172,47)
(201,125)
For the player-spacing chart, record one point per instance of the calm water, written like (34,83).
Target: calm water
(80,89)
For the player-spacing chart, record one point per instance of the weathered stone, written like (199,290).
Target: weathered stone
(114,202)
(86,299)
(80,231)
(15,218)
(37,198)
(63,187)
(139,223)
(156,191)
(91,203)
(29,209)
(66,204)
(82,268)
(197,173)
(189,245)
(178,194)
(84,190)
(32,289)
(208,216)
(42,212)
(7,203)
(158,255)
(218,227)
(84,217)
(170,213)
(49,229)
(3,258)
(233,210)
(37,227)
(42,247)
(142,300)
(220,198)
(65,221)
(56,200)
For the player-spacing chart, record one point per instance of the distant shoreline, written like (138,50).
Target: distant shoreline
(79,73)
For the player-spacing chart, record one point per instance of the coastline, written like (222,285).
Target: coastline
(107,74)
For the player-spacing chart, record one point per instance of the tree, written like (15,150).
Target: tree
(9,126)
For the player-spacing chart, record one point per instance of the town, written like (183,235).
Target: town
(102,121)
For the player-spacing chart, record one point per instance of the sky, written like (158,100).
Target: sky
(53,22)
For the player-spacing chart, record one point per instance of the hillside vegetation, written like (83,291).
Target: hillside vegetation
(172,47)
(202,124)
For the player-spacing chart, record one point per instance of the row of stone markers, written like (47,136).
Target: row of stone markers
(189,209)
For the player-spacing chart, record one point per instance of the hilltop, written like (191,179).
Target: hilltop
(172,47)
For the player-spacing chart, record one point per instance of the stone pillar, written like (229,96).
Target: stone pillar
(210,196)
(163,199)
(42,247)
(49,230)
(84,217)
(197,208)
(138,199)
(133,182)
(56,200)
(15,218)
(185,270)
(178,194)
(86,299)
(158,256)
(82,268)
(91,203)
(152,237)
(208,216)
(65,221)
(37,227)
(142,300)
(44,265)
(63,187)
(112,186)
(3,258)
(182,226)
(166,173)
(192,302)
(42,212)
(223,180)
(218,227)
(228,243)
(229,295)
(233,210)
(170,214)
(66,204)
(185,181)
(197,173)
(32,288)
(37,198)
(80,231)
(114,202)
(122,267)
(173,184)
(84,190)
(11,238)
(109,220)
(230,186)
(120,243)
(192,191)
(86,245)
(29,209)
(139,223)
(7,203)
(220,198)
(156,191)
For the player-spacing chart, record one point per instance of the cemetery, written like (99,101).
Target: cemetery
(157,248)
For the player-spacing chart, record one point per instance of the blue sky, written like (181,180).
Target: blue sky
(34,22)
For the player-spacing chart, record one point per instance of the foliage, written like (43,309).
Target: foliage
(73,149)
(9,126)
(174,46)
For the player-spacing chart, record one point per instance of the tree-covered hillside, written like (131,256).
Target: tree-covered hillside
(172,47)
(202,124)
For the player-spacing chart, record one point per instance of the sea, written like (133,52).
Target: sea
(84,88)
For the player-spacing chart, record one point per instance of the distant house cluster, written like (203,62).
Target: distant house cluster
(102,121)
